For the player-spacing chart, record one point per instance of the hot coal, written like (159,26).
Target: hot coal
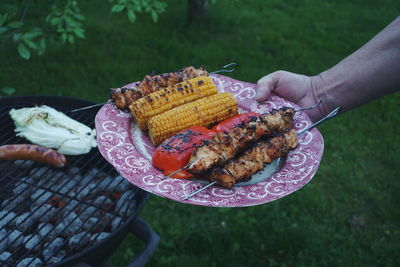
(88,212)
(47,231)
(4,241)
(32,242)
(15,238)
(59,256)
(100,236)
(24,221)
(31,262)
(22,189)
(7,218)
(79,241)
(5,256)
(125,205)
(52,247)
(115,223)
(12,203)
(43,213)
(53,214)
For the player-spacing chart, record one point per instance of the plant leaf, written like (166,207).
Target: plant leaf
(131,15)
(31,44)
(8,90)
(41,46)
(24,51)
(117,8)
(154,16)
(15,24)
(32,34)
(3,29)
(79,32)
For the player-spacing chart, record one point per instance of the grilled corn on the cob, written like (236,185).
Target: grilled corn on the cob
(171,97)
(205,111)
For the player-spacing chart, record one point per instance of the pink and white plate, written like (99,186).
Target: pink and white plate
(129,151)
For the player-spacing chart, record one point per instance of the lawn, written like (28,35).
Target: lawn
(348,215)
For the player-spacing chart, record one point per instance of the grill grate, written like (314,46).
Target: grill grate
(48,215)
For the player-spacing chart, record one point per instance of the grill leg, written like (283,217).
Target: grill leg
(143,231)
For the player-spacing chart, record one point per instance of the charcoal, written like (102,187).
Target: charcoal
(99,237)
(52,247)
(5,256)
(24,164)
(59,256)
(122,184)
(105,184)
(7,218)
(22,189)
(115,223)
(47,231)
(91,225)
(31,262)
(44,213)
(86,191)
(32,242)
(24,221)
(27,180)
(79,241)
(125,205)
(67,187)
(12,203)
(95,173)
(70,224)
(39,173)
(102,202)
(41,196)
(73,170)
(4,240)
(70,205)
(54,181)
(15,238)
(88,212)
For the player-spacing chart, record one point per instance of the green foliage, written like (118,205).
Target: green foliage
(66,19)
(131,7)
(7,91)
(63,23)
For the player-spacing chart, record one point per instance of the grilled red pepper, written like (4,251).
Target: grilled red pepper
(229,124)
(174,153)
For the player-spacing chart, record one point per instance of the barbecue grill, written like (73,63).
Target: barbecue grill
(64,217)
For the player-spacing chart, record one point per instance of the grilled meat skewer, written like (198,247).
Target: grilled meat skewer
(254,159)
(123,97)
(225,145)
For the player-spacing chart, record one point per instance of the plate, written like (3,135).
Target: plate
(129,150)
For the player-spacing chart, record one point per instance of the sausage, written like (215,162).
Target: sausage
(33,152)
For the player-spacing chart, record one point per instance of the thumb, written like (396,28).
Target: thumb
(266,85)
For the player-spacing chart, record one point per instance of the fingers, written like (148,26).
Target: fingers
(266,85)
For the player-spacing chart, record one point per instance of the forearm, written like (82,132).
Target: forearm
(370,72)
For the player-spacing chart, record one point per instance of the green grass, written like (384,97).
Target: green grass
(348,215)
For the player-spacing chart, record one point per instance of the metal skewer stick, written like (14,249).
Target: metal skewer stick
(311,107)
(327,117)
(88,107)
(224,68)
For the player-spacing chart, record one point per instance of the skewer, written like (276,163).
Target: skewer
(152,74)
(189,164)
(312,107)
(224,68)
(88,107)
(327,117)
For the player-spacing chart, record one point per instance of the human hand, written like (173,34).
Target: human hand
(297,88)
